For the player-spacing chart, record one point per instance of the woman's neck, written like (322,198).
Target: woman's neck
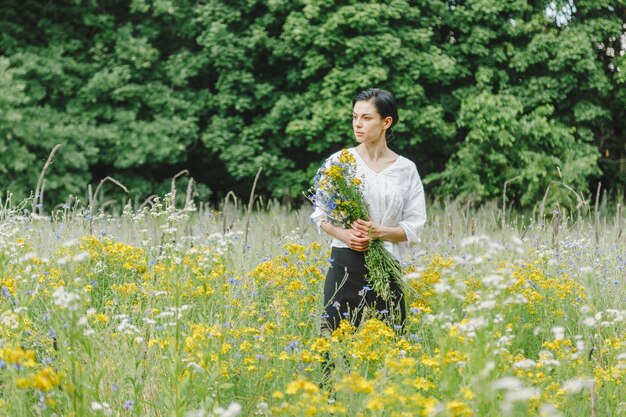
(374,151)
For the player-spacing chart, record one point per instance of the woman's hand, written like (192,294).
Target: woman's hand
(367,228)
(355,239)
(374,231)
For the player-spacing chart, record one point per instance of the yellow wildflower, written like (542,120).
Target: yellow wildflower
(301,385)
(46,379)
(355,383)
(459,409)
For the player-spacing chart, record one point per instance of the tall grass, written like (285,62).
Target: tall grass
(171,312)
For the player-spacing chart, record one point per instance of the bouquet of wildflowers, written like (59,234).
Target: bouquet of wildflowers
(337,192)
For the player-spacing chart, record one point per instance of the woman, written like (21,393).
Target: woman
(393,190)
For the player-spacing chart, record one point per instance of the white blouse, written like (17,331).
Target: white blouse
(395,197)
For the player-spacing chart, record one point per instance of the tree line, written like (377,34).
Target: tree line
(524,92)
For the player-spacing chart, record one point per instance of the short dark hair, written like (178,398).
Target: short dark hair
(385,104)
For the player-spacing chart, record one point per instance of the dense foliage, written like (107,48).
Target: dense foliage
(523,91)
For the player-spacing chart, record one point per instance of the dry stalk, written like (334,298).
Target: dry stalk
(580,202)
(39,187)
(188,194)
(593,386)
(250,203)
(93,200)
(466,215)
(260,203)
(556,223)
(41,193)
(596,215)
(224,215)
(504,199)
(542,206)
(173,187)
(593,398)
(89,194)
(618,220)
(147,201)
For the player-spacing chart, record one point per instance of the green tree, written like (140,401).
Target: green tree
(139,90)
(536,98)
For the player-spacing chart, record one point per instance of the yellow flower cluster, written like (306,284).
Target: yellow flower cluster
(18,356)
(44,379)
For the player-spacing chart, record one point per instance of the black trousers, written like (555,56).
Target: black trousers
(347,296)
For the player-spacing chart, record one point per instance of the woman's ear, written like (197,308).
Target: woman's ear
(388,122)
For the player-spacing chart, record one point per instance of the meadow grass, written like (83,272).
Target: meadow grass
(167,312)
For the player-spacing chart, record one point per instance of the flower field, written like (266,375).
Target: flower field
(166,312)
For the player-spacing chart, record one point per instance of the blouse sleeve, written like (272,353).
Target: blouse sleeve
(318,216)
(414,209)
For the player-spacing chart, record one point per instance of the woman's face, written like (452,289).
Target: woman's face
(368,125)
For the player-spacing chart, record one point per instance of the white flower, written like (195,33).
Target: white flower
(70,243)
(518,395)
(573,386)
(589,321)
(477,260)
(411,276)
(104,407)
(9,320)
(558,332)
(507,383)
(492,280)
(65,299)
(233,410)
(548,410)
(441,287)
(126,327)
(79,257)
(63,260)
(487,305)
(525,364)
(261,407)
(473,240)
